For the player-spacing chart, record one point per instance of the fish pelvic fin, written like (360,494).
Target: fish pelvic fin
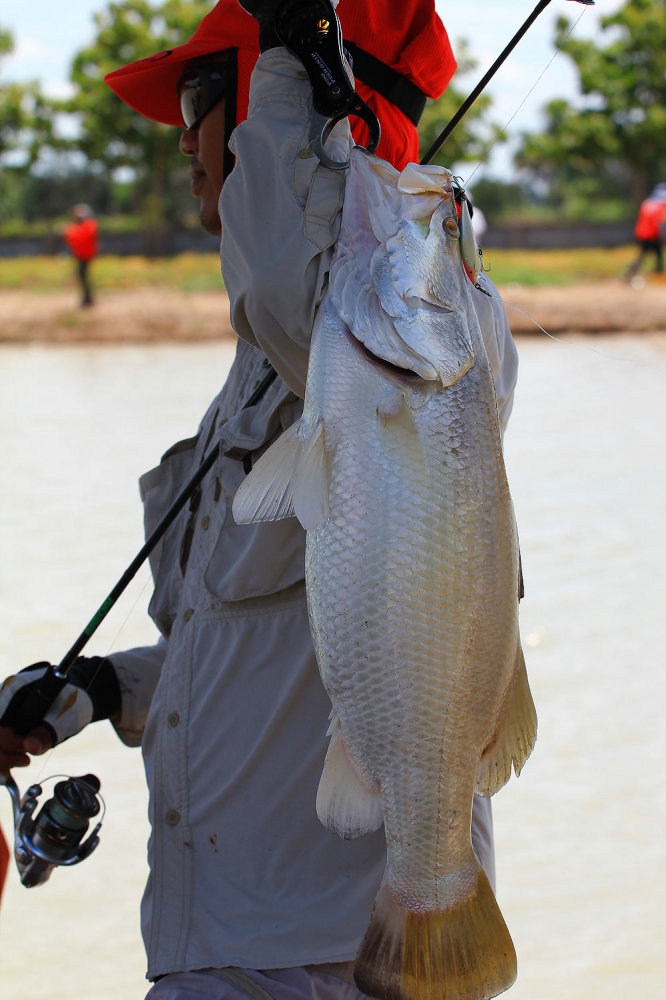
(289,480)
(463,952)
(346,805)
(515,734)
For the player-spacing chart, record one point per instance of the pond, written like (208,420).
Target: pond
(580,841)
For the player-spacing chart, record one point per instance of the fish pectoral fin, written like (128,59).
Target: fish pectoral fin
(345,803)
(514,737)
(289,480)
(311,483)
(267,492)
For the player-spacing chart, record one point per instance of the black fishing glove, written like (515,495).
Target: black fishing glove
(91,693)
(263,11)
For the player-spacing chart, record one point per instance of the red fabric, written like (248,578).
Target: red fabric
(81,238)
(651,217)
(407,35)
(4,861)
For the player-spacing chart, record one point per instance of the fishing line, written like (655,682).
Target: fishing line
(557,52)
(583,347)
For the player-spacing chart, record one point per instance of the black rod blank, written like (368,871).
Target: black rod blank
(28,712)
(483,83)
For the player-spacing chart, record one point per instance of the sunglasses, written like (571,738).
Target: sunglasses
(200,92)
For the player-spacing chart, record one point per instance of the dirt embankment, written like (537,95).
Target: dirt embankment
(606,307)
(144,314)
(162,314)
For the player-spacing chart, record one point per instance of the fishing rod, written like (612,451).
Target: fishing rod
(483,83)
(26,713)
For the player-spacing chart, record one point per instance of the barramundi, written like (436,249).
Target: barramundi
(412,574)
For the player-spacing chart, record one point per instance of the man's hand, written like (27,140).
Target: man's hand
(15,751)
(91,693)
(263,11)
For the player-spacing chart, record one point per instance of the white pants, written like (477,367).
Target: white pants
(247,984)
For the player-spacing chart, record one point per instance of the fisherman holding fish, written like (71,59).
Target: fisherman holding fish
(249,894)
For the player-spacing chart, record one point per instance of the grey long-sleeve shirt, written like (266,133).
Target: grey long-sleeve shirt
(228,706)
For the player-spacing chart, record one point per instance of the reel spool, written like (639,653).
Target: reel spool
(55,837)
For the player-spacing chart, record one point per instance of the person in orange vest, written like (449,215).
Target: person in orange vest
(81,236)
(649,231)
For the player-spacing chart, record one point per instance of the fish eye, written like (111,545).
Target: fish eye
(451,227)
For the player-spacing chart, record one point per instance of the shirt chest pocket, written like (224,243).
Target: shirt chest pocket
(159,488)
(253,560)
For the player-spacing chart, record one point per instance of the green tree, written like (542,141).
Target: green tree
(26,129)
(472,139)
(112,135)
(616,141)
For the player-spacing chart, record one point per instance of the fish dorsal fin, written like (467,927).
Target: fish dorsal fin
(515,735)
(288,480)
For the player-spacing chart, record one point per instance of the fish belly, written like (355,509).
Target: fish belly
(413,594)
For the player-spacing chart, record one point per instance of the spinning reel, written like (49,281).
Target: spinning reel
(55,836)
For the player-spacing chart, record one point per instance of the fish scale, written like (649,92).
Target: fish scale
(396,470)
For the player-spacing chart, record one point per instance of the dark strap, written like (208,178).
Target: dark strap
(395,87)
(230,110)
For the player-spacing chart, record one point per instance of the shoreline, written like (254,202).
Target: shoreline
(162,315)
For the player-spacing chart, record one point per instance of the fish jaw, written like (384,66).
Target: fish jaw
(397,277)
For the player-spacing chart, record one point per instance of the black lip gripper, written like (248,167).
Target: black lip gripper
(311,31)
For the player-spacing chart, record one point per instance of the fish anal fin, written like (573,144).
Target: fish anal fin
(514,737)
(462,952)
(346,805)
(311,485)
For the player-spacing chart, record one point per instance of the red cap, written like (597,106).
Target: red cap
(408,36)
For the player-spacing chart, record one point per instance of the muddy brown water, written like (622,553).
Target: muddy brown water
(580,843)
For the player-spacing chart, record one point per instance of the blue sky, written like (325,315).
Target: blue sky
(48,33)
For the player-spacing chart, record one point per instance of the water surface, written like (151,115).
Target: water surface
(580,836)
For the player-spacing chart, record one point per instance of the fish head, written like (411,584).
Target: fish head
(397,278)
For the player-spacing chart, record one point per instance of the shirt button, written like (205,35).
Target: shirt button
(188,614)
(205,521)
(305,154)
(173,817)
(173,719)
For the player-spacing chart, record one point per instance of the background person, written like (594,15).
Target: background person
(81,237)
(248,893)
(649,231)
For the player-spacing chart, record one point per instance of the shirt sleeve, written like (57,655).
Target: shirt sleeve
(138,671)
(280,210)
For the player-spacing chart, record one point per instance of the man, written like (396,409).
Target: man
(81,238)
(649,230)
(248,893)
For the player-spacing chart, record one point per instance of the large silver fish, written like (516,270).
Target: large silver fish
(412,570)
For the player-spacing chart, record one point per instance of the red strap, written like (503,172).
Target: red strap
(4,861)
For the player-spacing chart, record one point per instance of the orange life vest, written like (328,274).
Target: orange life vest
(651,217)
(81,238)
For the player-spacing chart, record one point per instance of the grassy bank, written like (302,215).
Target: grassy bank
(201,272)
(189,272)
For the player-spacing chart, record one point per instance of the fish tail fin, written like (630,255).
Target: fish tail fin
(463,952)
(514,737)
